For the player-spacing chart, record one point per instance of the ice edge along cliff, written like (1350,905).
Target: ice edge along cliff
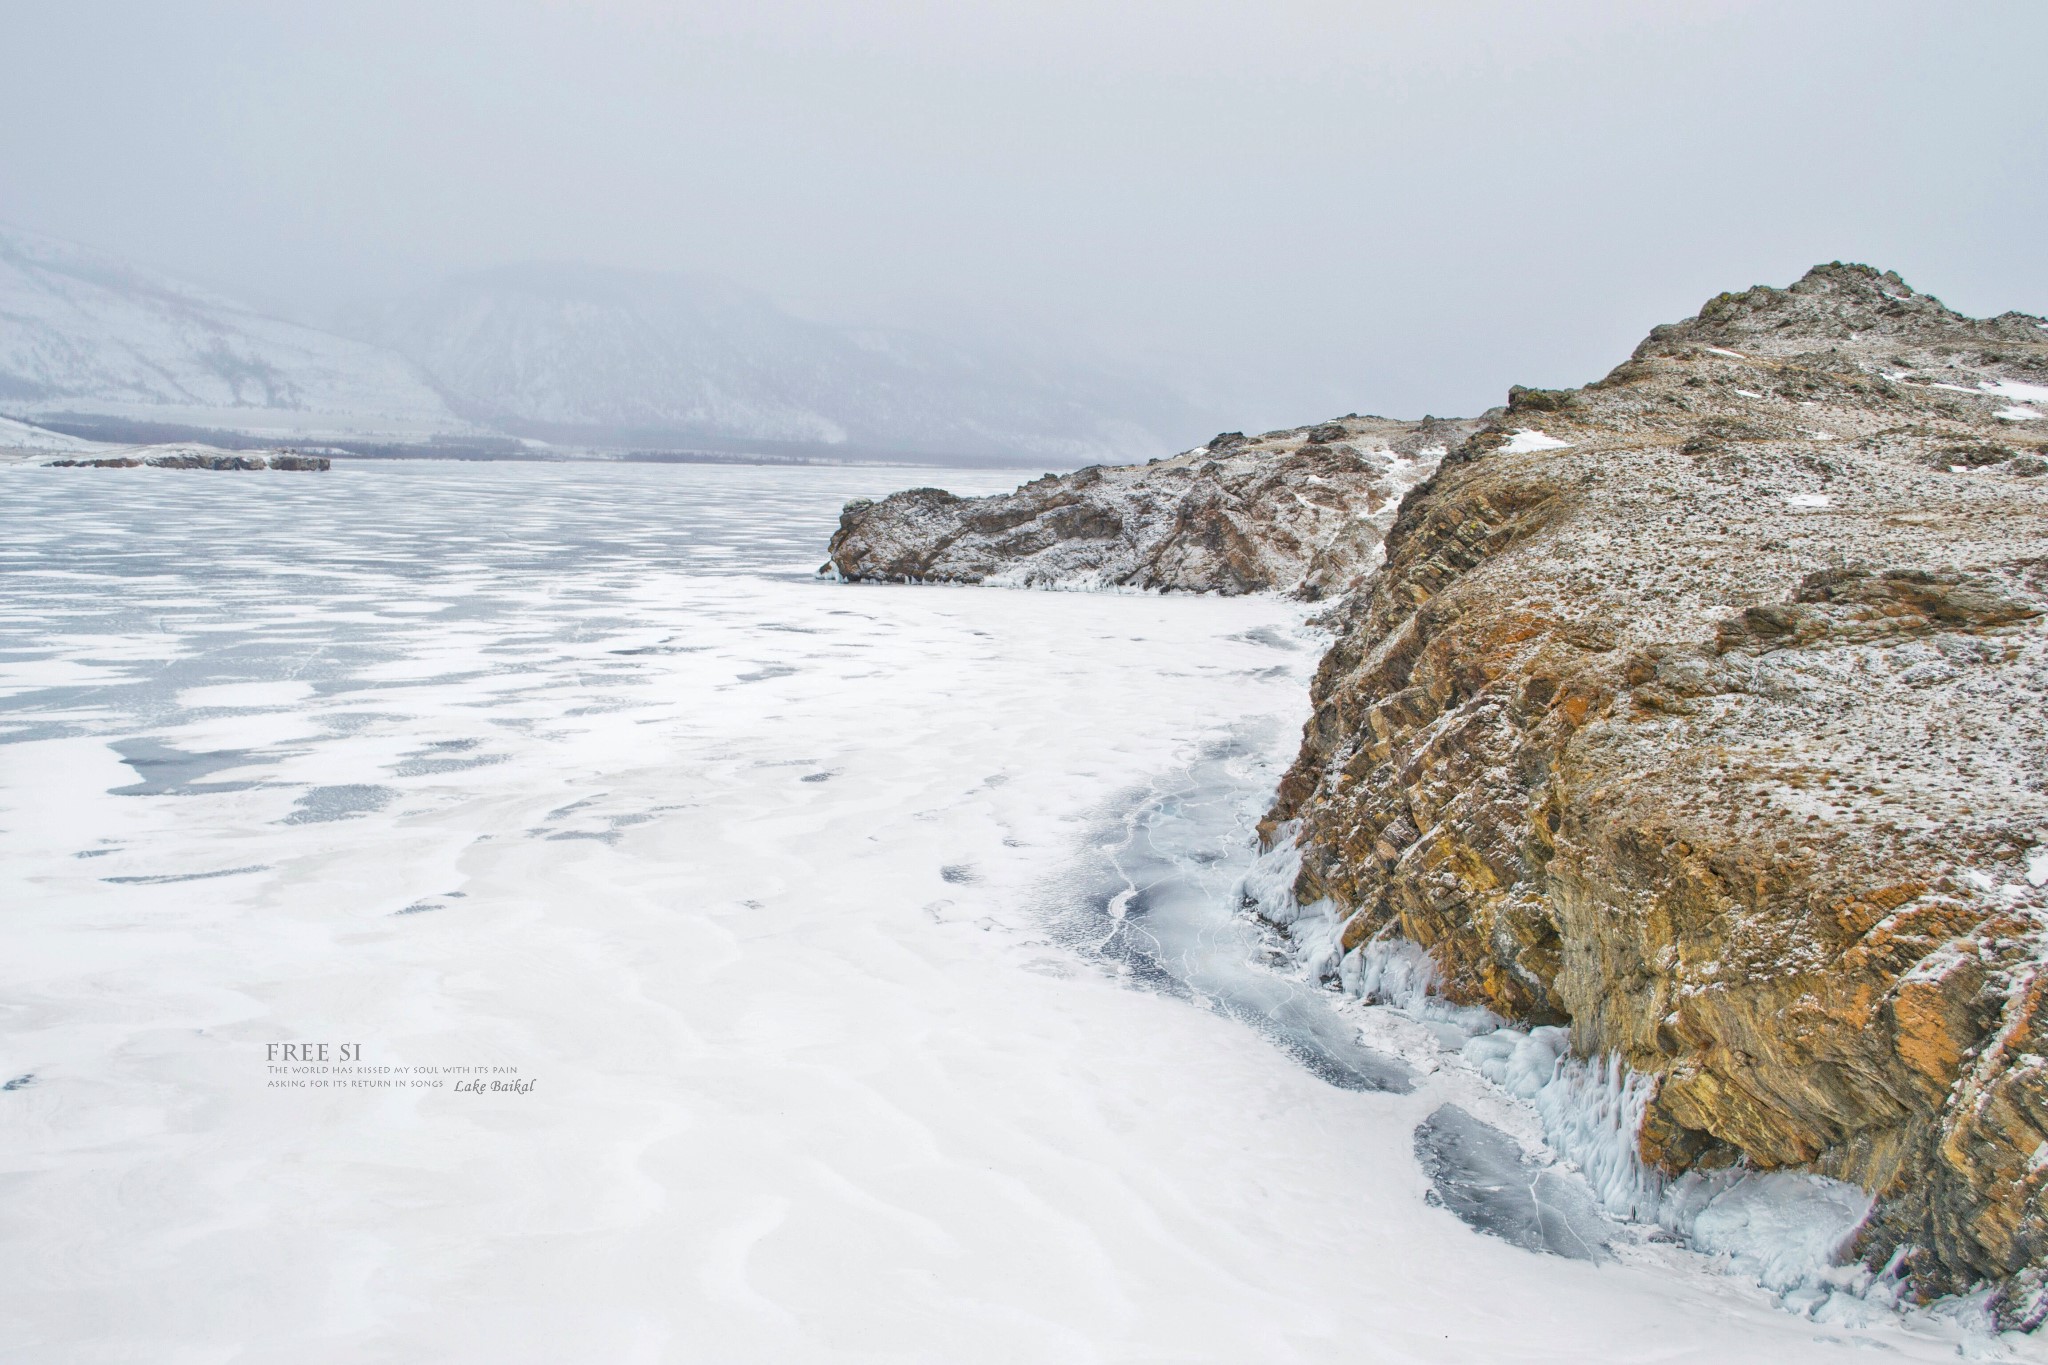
(1703,709)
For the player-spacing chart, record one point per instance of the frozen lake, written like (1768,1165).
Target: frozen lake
(767,969)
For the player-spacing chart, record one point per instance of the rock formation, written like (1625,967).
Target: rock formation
(1299,511)
(284,459)
(1705,709)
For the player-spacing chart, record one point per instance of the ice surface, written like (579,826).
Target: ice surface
(1158,902)
(1519,1063)
(343,802)
(801,1095)
(1809,500)
(1483,1175)
(1575,1121)
(1781,1226)
(1592,1111)
(164,771)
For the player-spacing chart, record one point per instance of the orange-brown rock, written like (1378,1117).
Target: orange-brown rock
(1721,733)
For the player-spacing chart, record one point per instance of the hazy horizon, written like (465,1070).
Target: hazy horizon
(1282,212)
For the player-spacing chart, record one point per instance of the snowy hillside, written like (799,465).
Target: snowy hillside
(569,352)
(575,355)
(84,333)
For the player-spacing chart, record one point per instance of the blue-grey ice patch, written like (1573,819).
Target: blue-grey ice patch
(444,756)
(352,722)
(165,771)
(21,1082)
(429,767)
(959,874)
(344,802)
(1270,636)
(1161,902)
(638,817)
(1790,1231)
(1483,1176)
(169,877)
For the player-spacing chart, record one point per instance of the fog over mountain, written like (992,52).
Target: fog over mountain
(579,353)
(84,335)
(1290,209)
(573,356)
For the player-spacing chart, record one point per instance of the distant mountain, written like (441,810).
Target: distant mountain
(83,333)
(613,357)
(572,355)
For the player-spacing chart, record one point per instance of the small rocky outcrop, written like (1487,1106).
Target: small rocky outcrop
(1704,709)
(284,459)
(206,462)
(1299,511)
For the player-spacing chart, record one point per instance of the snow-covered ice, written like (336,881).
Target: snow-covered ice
(874,955)
(1532,1138)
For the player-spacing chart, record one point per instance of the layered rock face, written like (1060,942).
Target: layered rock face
(1300,511)
(1720,732)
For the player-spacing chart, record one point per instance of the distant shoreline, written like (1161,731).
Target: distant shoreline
(601,447)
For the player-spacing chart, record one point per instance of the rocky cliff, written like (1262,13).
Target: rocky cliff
(1705,709)
(1299,511)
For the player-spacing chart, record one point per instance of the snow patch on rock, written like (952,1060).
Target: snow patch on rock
(1529,439)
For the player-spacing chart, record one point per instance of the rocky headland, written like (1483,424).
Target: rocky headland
(1702,710)
(1720,733)
(203,459)
(1300,511)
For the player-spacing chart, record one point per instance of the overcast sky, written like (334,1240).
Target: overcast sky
(1301,208)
